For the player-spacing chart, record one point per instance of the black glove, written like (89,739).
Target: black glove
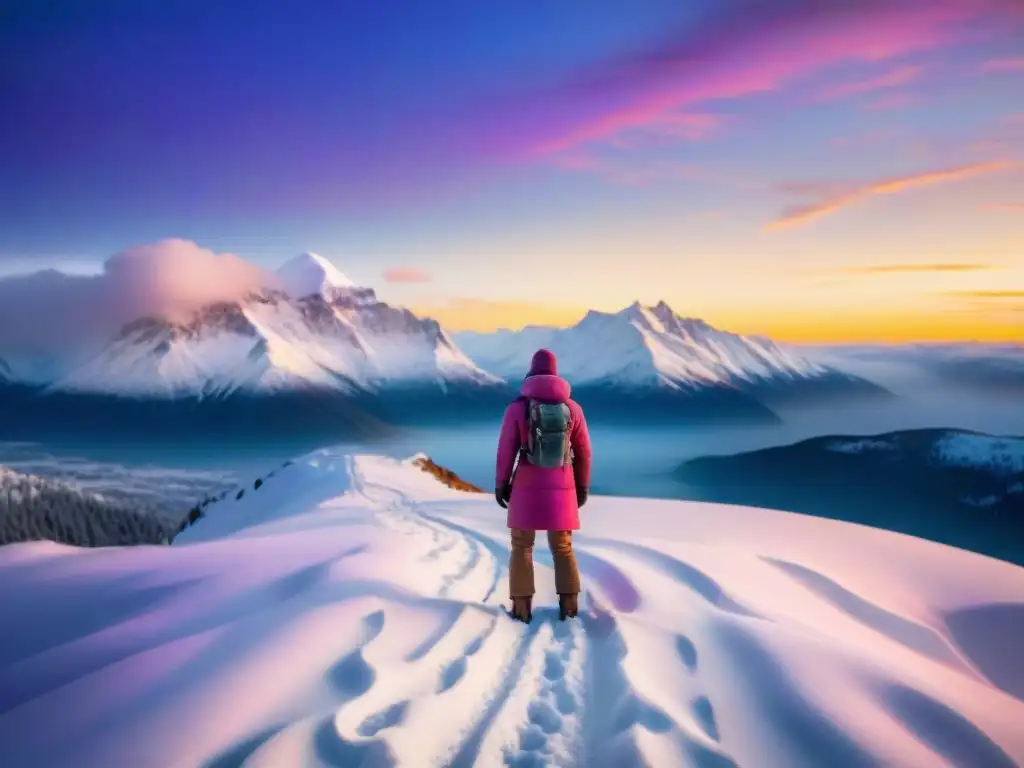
(581,496)
(502,495)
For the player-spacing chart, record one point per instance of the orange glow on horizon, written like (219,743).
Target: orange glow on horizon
(954,326)
(485,316)
(995,324)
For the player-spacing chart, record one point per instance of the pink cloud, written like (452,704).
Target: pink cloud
(691,126)
(406,275)
(830,198)
(1004,207)
(671,127)
(170,278)
(752,49)
(1003,65)
(868,139)
(894,78)
(629,172)
(895,101)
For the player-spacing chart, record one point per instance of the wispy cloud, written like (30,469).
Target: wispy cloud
(747,49)
(833,197)
(671,128)
(1004,207)
(894,78)
(881,269)
(465,313)
(633,173)
(1005,303)
(989,294)
(868,139)
(406,275)
(1003,65)
(895,101)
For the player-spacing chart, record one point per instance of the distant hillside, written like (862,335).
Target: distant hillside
(34,509)
(960,488)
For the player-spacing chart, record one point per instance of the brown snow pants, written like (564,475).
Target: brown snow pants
(520,563)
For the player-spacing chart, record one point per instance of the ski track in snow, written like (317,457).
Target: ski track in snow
(395,649)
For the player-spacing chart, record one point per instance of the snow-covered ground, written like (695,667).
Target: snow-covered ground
(349,612)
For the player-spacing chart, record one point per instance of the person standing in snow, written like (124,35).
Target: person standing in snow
(544,491)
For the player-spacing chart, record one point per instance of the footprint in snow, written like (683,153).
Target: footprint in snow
(351,676)
(451,674)
(552,718)
(704,714)
(545,717)
(373,625)
(333,750)
(554,666)
(528,760)
(387,718)
(637,712)
(455,670)
(687,652)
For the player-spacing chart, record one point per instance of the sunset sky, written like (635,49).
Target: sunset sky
(814,171)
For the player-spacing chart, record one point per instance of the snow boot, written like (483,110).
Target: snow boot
(521,609)
(567,607)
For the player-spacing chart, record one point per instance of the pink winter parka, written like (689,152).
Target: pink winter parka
(543,499)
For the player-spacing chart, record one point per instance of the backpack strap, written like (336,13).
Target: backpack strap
(568,435)
(524,445)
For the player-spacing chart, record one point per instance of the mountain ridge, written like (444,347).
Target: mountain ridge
(334,336)
(647,347)
(318,340)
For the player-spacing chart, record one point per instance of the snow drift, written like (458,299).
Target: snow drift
(349,612)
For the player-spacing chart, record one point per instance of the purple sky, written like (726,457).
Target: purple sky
(701,152)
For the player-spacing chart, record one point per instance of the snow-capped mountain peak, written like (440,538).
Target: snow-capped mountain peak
(643,346)
(335,338)
(309,273)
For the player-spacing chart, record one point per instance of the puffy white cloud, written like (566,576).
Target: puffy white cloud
(50,310)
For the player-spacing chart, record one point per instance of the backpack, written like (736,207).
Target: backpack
(547,434)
